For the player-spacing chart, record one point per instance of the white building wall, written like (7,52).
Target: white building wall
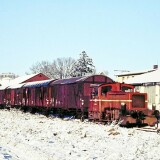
(151,91)
(122,79)
(157,97)
(153,94)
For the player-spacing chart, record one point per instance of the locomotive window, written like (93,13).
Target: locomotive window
(126,89)
(105,90)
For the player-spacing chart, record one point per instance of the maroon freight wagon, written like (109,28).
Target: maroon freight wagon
(36,95)
(71,96)
(12,93)
(3,92)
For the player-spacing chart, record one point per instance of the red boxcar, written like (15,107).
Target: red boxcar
(72,95)
(11,94)
(14,95)
(3,100)
(36,95)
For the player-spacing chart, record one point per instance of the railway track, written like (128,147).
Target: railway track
(149,129)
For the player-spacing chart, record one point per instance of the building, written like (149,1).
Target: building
(7,75)
(29,78)
(6,78)
(149,83)
(125,75)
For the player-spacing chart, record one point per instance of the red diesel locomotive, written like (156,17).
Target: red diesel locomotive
(95,97)
(118,101)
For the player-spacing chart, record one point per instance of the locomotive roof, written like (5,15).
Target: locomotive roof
(75,80)
(38,83)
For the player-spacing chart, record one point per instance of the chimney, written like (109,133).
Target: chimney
(155,66)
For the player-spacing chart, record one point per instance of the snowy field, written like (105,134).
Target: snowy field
(24,136)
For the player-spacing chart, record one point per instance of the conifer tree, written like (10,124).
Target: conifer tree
(83,66)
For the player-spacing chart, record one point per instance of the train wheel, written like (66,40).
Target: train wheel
(24,109)
(61,113)
(139,122)
(156,113)
(127,124)
(47,112)
(33,110)
(82,118)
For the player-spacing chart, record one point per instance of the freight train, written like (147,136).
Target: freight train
(96,97)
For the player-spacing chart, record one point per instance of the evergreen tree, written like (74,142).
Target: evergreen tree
(83,66)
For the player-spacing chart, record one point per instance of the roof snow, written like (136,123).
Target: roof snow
(148,77)
(21,79)
(17,80)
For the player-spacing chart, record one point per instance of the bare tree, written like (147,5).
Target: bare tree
(84,65)
(44,67)
(63,67)
(58,69)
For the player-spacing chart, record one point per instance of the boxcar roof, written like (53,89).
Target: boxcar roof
(3,87)
(15,86)
(67,81)
(76,80)
(38,83)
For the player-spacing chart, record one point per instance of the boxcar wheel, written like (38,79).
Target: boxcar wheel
(127,124)
(82,118)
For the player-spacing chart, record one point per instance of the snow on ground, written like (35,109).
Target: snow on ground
(24,136)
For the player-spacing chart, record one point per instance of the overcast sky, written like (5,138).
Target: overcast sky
(116,34)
